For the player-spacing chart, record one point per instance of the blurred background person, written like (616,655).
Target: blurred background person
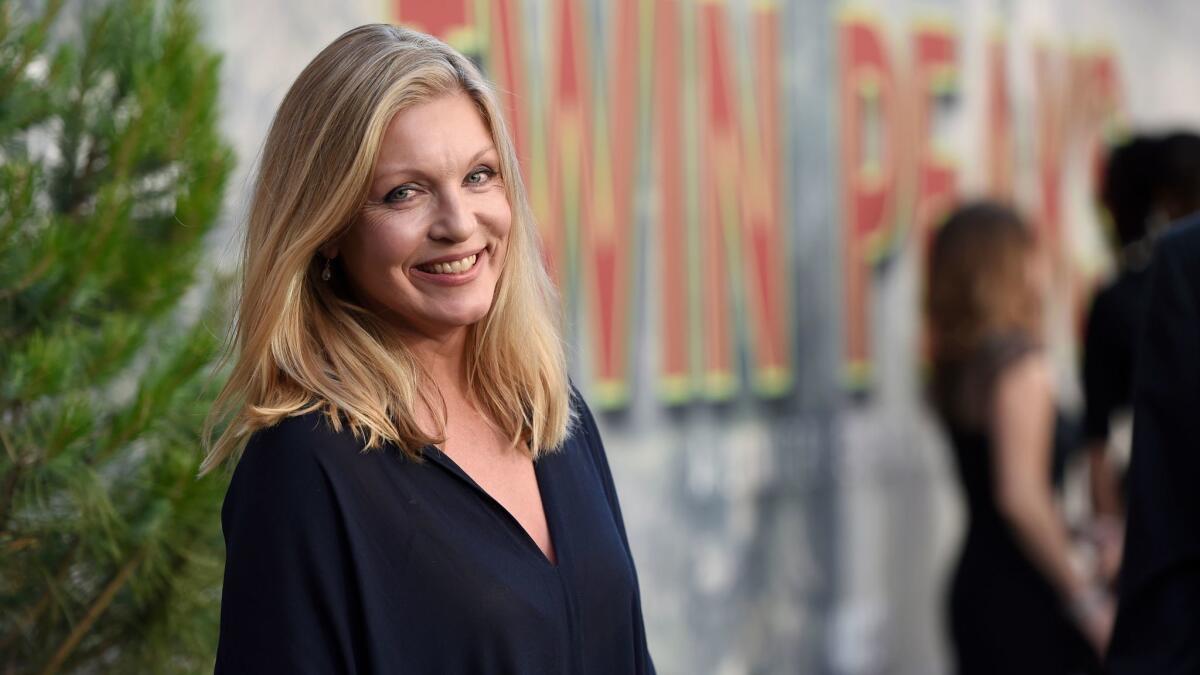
(1128,193)
(1158,630)
(1017,604)
(1149,182)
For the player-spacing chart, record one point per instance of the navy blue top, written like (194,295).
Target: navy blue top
(344,561)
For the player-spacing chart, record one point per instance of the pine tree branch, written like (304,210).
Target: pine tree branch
(177,492)
(34,613)
(90,167)
(177,568)
(30,277)
(67,191)
(95,611)
(11,480)
(38,31)
(108,221)
(171,380)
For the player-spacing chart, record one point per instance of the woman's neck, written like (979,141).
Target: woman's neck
(444,359)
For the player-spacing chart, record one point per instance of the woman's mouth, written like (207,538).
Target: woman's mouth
(453,267)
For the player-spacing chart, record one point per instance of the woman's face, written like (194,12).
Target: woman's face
(427,248)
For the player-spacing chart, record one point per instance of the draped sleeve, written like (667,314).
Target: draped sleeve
(288,603)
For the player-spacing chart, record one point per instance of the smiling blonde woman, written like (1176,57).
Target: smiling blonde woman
(420,489)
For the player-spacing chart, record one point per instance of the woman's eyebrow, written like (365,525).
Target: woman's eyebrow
(479,155)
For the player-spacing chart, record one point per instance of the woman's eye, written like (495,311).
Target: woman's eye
(480,176)
(400,194)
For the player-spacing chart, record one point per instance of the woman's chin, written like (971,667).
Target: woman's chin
(458,320)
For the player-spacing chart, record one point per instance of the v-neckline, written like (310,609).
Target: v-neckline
(446,462)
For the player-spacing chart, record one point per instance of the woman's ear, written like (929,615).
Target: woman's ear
(330,250)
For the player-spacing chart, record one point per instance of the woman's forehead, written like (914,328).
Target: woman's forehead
(446,128)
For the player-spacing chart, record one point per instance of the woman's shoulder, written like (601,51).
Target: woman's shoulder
(584,434)
(294,455)
(302,470)
(309,436)
(582,424)
(967,391)
(1024,389)
(1029,372)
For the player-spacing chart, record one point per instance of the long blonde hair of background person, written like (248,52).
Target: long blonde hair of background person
(304,344)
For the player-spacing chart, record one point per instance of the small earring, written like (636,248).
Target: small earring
(326,273)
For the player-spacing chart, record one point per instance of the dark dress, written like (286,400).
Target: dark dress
(343,561)
(1158,616)
(1005,617)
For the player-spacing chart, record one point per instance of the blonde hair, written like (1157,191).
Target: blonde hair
(303,344)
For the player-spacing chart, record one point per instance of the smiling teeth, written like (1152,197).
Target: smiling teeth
(455,267)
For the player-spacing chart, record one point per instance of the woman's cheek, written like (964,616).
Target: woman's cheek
(501,215)
(395,241)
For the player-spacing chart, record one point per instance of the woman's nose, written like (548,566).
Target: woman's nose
(454,220)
